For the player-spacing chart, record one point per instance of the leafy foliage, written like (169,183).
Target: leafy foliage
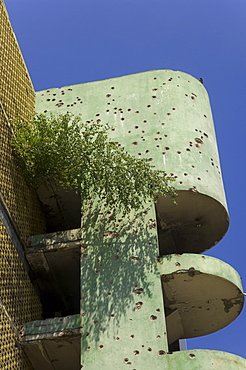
(73,154)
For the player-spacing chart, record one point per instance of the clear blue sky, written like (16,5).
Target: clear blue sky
(67,42)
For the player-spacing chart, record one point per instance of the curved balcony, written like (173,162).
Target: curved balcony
(202,295)
(203,359)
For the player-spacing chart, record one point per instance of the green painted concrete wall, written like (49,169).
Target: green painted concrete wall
(164,115)
(121,295)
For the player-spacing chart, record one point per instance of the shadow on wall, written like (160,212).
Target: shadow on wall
(118,269)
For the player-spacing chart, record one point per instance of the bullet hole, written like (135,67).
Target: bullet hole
(198,178)
(59,105)
(154,78)
(70,89)
(138,306)
(203,257)
(191,355)
(198,140)
(53,99)
(137,111)
(113,99)
(95,322)
(88,348)
(163,153)
(157,146)
(186,95)
(158,310)
(158,133)
(205,134)
(136,127)
(188,150)
(143,132)
(154,114)
(193,166)
(185,174)
(108,103)
(148,106)
(192,97)
(147,151)
(158,337)
(112,315)
(138,291)
(98,114)
(149,349)
(135,143)
(101,346)
(153,317)
(112,129)
(168,114)
(109,293)
(145,121)
(181,182)
(142,345)
(179,152)
(108,95)
(132,336)
(136,353)
(129,132)
(47,99)
(212,163)
(47,91)
(173,108)
(170,79)
(167,148)
(117,339)
(87,334)
(154,89)
(126,359)
(150,159)
(200,152)
(122,119)
(134,258)
(161,353)
(156,138)
(177,264)
(177,85)
(205,115)
(153,96)
(112,87)
(163,124)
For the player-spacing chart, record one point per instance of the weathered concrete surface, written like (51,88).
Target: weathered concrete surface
(121,295)
(165,116)
(53,344)
(202,294)
(55,262)
(201,359)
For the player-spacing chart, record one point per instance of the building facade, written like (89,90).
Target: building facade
(89,288)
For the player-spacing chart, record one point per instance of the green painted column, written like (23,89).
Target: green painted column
(122,305)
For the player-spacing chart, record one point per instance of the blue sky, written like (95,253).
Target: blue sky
(67,42)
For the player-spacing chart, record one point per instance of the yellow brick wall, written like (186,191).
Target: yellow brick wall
(18,300)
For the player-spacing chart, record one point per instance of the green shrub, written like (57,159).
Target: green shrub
(71,154)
